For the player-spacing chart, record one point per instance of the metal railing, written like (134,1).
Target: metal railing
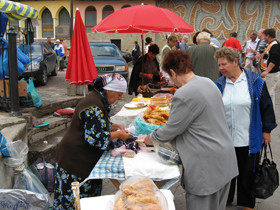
(12,103)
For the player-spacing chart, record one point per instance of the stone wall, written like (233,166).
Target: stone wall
(222,17)
(13,128)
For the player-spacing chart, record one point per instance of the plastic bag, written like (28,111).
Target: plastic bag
(26,180)
(136,192)
(3,147)
(23,179)
(22,199)
(142,127)
(18,151)
(32,98)
(167,153)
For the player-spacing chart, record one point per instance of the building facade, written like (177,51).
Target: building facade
(221,17)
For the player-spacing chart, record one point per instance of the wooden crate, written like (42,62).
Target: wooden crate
(22,90)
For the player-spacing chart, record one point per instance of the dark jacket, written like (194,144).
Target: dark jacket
(74,154)
(262,113)
(135,54)
(274,57)
(135,79)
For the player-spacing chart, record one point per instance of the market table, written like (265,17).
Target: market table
(143,164)
(126,116)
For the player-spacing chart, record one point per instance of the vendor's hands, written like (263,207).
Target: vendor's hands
(266,138)
(148,141)
(115,127)
(123,135)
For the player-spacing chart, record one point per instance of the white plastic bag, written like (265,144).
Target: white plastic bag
(138,191)
(24,179)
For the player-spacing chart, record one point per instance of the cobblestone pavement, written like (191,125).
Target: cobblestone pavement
(56,90)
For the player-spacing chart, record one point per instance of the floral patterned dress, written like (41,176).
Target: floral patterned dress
(95,134)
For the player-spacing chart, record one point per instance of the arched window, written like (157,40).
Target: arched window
(47,24)
(90,18)
(64,18)
(107,10)
(126,6)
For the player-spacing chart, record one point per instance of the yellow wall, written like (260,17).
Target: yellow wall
(54,7)
(99,5)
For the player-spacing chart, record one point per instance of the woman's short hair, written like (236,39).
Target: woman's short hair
(177,60)
(227,52)
(153,49)
(194,38)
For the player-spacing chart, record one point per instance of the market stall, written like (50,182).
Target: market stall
(149,165)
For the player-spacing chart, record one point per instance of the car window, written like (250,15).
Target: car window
(36,50)
(104,50)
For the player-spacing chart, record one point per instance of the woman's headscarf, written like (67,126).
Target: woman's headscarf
(114,82)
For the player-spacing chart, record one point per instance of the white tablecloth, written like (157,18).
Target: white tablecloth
(101,202)
(126,116)
(151,166)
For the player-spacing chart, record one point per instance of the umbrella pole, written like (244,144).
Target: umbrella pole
(84,90)
(142,58)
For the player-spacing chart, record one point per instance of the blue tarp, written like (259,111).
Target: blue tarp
(3,23)
(22,59)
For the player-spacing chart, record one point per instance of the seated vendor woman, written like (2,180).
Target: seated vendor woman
(151,72)
(86,139)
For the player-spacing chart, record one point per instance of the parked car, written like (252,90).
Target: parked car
(108,59)
(127,56)
(43,61)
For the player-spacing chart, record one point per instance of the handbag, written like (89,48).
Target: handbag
(267,178)
(45,172)
(63,64)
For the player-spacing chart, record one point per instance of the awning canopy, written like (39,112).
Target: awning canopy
(17,11)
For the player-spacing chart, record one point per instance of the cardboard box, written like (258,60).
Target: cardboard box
(22,90)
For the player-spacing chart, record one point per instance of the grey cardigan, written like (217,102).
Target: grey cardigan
(197,127)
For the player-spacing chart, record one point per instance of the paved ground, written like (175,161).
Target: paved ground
(56,91)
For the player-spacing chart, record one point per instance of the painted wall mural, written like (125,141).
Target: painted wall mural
(222,17)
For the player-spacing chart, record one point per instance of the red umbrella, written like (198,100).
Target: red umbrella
(143,19)
(81,69)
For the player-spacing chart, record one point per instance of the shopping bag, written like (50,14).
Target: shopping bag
(63,64)
(32,98)
(45,172)
(267,178)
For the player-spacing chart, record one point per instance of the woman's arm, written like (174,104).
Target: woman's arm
(115,127)
(95,128)
(267,111)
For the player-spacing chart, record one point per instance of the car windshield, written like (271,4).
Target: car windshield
(36,50)
(104,50)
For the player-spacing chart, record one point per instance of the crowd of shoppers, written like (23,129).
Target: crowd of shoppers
(221,115)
